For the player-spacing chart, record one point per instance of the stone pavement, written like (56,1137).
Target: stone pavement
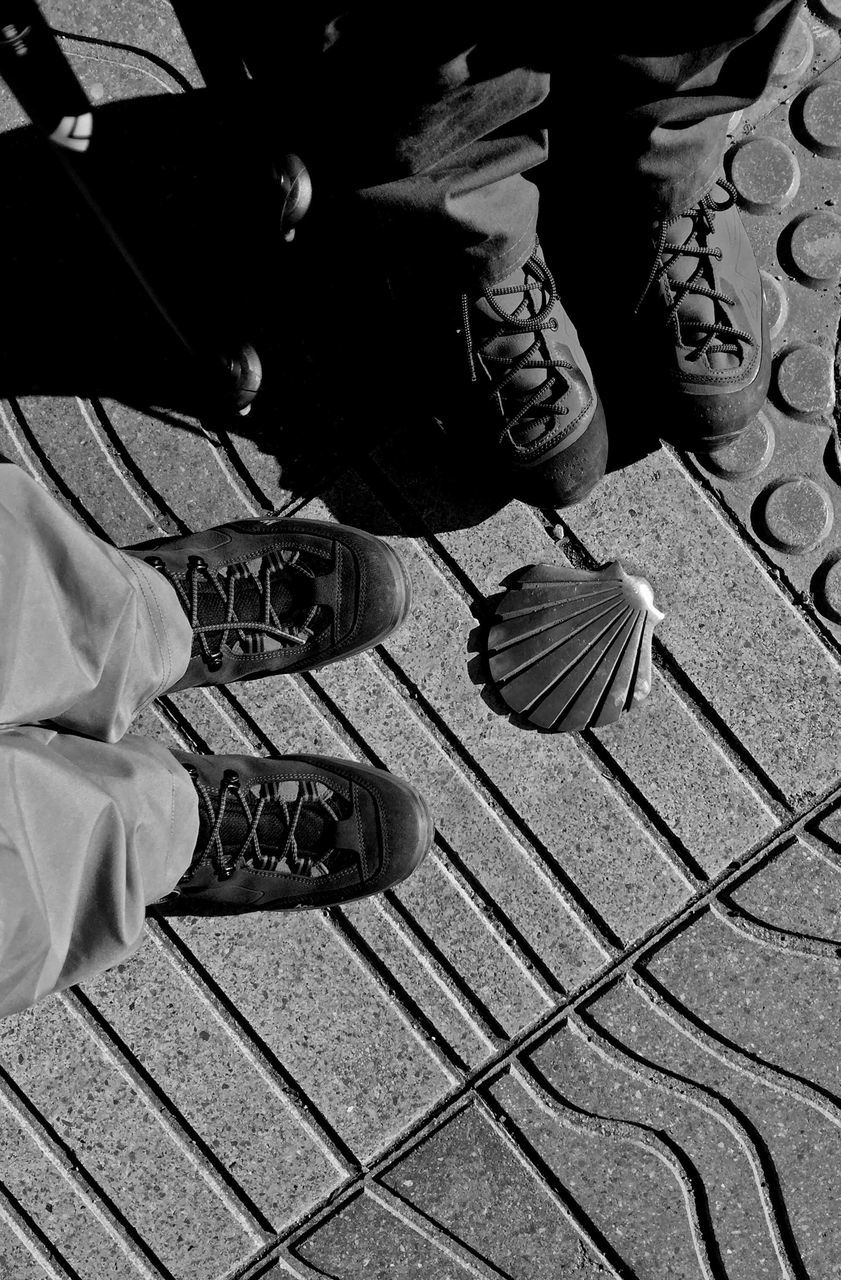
(598,1032)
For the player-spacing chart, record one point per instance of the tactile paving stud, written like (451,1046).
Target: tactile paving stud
(797,54)
(828,10)
(804,381)
(827,589)
(794,515)
(816,119)
(776,303)
(746,457)
(765,173)
(813,245)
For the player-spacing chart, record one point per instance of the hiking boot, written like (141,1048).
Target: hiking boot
(532,388)
(703,311)
(296,832)
(275,595)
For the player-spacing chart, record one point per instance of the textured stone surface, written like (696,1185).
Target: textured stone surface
(271,1095)
(95,1110)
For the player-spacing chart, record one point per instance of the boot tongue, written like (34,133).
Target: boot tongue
(508,347)
(290,609)
(696,310)
(312,850)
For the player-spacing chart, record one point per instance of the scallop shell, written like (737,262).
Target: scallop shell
(571,649)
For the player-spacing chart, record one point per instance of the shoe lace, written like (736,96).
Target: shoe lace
(521,320)
(228,628)
(716,336)
(260,813)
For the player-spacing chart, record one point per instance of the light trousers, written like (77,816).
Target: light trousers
(93,825)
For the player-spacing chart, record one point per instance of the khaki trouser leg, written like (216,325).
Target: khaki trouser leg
(91,828)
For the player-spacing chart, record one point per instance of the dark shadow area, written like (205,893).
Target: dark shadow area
(190,191)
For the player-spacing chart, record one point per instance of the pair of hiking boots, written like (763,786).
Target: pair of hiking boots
(701,351)
(274,595)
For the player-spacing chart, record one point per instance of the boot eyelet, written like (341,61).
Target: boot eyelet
(214,661)
(553,324)
(155,561)
(197,562)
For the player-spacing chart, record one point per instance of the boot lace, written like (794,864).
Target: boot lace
(258,814)
(523,319)
(211,633)
(718,335)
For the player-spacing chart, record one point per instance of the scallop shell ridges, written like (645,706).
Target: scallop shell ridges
(571,648)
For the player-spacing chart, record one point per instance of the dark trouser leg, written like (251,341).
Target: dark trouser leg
(419,133)
(669,80)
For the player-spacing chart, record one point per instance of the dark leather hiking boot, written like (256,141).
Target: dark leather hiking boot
(532,388)
(703,313)
(275,595)
(296,832)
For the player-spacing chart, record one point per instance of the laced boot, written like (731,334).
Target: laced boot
(296,832)
(532,387)
(275,595)
(703,309)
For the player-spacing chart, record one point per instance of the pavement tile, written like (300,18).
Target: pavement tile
(738,638)
(468,1180)
(169,1025)
(46,1194)
(19,1261)
(96,1111)
(615,1187)
(630,893)
(472,944)
(511,874)
(366,1239)
(449,1008)
(293,979)
(783,483)
(694,787)
(662,748)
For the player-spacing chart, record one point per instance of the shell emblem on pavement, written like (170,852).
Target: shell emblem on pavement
(571,648)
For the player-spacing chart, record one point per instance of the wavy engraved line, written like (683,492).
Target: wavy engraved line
(84,1188)
(667,1006)
(726,1113)
(762,933)
(433,1232)
(294,1101)
(33,1239)
(660,1144)
(169,1122)
(511,1136)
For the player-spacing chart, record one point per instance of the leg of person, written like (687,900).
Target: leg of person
(88,634)
(90,832)
(675,79)
(418,144)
